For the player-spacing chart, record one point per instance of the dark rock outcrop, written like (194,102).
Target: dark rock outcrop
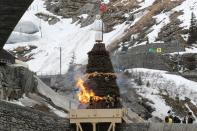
(74,9)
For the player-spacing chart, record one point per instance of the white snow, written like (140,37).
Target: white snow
(26,27)
(146,3)
(57,112)
(161,21)
(18,37)
(84,16)
(33,99)
(16,102)
(187,7)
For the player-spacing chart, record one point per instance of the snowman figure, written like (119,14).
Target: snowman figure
(98,28)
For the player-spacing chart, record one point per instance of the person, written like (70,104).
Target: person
(107,101)
(170,114)
(176,119)
(116,102)
(91,102)
(190,118)
(184,121)
(168,119)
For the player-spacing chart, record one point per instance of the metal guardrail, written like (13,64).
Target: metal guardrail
(47,75)
(5,61)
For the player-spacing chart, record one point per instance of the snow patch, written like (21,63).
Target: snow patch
(162,20)
(187,7)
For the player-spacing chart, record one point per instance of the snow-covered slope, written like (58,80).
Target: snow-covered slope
(74,39)
(70,37)
(162,83)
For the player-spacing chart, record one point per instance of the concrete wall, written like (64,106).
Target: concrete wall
(140,57)
(17,118)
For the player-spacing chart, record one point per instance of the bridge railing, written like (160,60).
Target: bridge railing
(5,61)
(47,74)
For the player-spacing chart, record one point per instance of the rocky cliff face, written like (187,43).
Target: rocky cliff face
(84,11)
(74,9)
(16,81)
(126,11)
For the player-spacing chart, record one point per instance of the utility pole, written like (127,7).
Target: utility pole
(60,60)
(40,26)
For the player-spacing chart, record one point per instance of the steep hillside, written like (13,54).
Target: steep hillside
(57,24)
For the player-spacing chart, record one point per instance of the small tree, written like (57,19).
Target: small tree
(139,81)
(192,30)
(148,84)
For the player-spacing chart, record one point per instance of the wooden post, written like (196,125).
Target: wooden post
(114,125)
(77,127)
(110,127)
(94,126)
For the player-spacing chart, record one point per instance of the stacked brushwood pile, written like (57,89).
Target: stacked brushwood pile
(100,73)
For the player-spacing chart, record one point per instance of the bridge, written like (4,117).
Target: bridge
(11,12)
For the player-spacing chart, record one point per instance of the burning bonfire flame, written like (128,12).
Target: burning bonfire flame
(85,94)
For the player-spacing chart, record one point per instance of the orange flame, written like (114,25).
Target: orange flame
(85,95)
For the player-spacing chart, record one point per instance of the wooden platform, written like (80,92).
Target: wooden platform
(96,116)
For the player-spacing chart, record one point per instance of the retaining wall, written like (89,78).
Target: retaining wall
(141,57)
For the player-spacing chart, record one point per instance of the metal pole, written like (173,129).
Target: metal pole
(60,60)
(102,30)
(40,28)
